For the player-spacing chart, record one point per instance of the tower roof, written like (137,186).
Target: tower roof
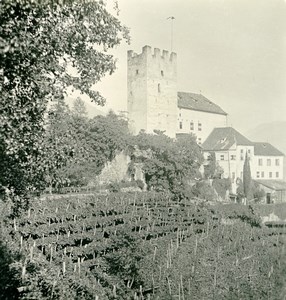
(198,102)
(223,138)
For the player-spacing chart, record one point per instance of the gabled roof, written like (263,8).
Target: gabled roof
(198,102)
(266,149)
(277,185)
(223,138)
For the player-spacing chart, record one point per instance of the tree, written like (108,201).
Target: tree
(247,178)
(79,109)
(63,143)
(258,192)
(108,135)
(212,169)
(171,164)
(39,42)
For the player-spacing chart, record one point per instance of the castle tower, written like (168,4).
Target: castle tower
(152,91)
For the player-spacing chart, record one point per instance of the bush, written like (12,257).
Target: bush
(222,186)
(204,191)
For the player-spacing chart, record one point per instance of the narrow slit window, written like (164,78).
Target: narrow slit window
(159,88)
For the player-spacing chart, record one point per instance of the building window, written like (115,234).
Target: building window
(192,125)
(137,72)
(162,73)
(241,154)
(199,141)
(257,174)
(268,162)
(199,126)
(248,151)
(277,162)
(270,174)
(277,174)
(181,125)
(260,161)
(262,174)
(222,157)
(232,157)
(159,88)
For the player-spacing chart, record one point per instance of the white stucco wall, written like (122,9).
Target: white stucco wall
(233,161)
(207,120)
(263,171)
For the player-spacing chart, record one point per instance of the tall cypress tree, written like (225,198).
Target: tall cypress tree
(247,178)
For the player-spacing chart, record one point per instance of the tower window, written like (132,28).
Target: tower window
(181,125)
(137,72)
(162,73)
(159,88)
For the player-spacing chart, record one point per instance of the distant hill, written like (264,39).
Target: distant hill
(274,133)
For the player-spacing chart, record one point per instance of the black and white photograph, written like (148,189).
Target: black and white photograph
(142,149)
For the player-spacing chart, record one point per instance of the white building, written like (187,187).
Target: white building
(198,115)
(230,148)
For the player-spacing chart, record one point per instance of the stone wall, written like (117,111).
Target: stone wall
(115,170)
(152,91)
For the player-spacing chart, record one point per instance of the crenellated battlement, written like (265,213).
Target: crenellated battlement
(152,90)
(156,53)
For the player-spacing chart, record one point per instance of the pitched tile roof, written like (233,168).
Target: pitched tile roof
(198,102)
(223,138)
(277,185)
(266,149)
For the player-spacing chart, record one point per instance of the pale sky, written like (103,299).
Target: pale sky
(233,51)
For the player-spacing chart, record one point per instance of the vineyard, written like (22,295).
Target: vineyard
(141,246)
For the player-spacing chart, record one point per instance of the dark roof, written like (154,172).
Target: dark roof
(266,149)
(198,102)
(223,138)
(277,185)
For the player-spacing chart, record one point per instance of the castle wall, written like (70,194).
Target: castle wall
(152,91)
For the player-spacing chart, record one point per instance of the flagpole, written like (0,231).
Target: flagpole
(172,19)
